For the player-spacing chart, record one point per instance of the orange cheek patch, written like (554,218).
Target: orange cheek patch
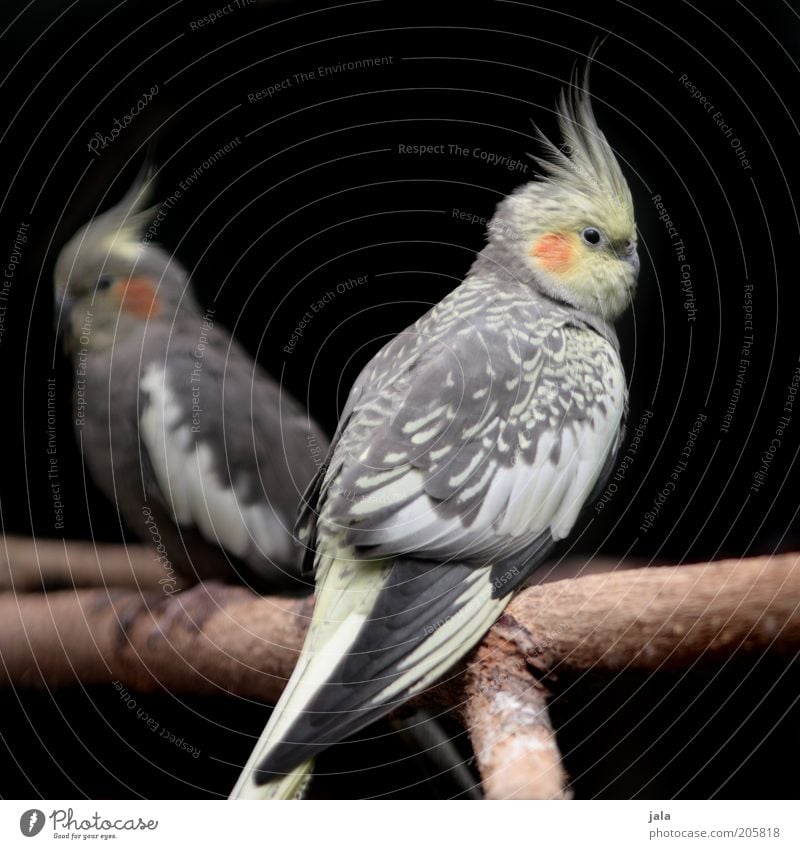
(138,296)
(554,252)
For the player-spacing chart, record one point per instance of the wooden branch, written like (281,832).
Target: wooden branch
(208,639)
(215,638)
(505,710)
(28,564)
(34,564)
(669,617)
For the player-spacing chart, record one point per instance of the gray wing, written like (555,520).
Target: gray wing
(231,452)
(477,446)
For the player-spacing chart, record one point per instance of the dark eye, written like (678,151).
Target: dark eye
(592,236)
(104,282)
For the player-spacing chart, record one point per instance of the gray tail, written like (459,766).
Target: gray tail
(293,785)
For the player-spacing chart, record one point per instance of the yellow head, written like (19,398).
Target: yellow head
(108,275)
(574,227)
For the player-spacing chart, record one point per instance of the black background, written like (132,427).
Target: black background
(316,192)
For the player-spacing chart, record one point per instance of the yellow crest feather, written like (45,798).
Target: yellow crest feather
(585,164)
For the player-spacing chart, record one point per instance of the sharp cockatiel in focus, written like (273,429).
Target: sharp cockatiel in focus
(197,446)
(466,449)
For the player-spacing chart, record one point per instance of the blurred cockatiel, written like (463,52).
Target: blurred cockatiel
(198,447)
(466,449)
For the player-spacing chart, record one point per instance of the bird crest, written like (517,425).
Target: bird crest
(585,166)
(115,233)
(120,229)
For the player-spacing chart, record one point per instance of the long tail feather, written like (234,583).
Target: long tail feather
(382,631)
(291,786)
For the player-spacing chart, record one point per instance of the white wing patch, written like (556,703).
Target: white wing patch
(190,485)
(168,442)
(214,508)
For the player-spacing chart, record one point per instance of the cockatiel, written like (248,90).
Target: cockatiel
(466,449)
(201,451)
